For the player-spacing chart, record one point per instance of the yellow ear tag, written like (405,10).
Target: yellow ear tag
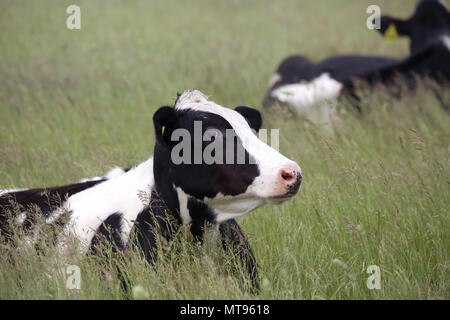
(162,130)
(391,33)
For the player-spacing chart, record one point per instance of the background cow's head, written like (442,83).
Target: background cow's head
(249,173)
(429,23)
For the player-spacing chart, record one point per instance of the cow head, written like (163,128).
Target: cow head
(429,23)
(208,155)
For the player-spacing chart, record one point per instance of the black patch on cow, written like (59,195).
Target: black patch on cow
(295,69)
(234,239)
(165,122)
(156,219)
(143,234)
(37,201)
(109,231)
(342,68)
(252,116)
(430,62)
(106,242)
(345,68)
(201,215)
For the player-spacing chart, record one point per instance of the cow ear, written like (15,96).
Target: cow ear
(390,27)
(165,122)
(252,116)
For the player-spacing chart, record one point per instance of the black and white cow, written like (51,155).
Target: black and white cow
(134,204)
(312,89)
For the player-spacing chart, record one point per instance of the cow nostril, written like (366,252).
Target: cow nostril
(289,176)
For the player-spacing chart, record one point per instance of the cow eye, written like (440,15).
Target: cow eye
(212,133)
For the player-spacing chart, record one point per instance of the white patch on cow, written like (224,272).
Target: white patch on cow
(114,172)
(194,97)
(123,195)
(55,215)
(230,207)
(20,219)
(446,41)
(223,216)
(90,179)
(269,161)
(275,78)
(125,230)
(315,100)
(183,201)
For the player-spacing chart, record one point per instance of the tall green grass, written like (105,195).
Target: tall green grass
(75,103)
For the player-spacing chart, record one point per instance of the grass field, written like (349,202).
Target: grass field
(74,103)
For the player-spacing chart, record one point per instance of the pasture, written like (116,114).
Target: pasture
(74,103)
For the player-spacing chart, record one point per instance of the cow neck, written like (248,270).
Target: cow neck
(167,195)
(164,195)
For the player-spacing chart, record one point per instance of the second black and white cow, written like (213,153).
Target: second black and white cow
(140,203)
(311,89)
(429,23)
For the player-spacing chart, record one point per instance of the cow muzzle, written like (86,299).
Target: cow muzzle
(289,179)
(292,179)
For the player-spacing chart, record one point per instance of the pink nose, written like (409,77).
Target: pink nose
(291,176)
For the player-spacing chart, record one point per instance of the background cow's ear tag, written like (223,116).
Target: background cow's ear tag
(391,33)
(162,130)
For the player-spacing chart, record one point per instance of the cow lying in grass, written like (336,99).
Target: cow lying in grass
(311,89)
(141,202)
